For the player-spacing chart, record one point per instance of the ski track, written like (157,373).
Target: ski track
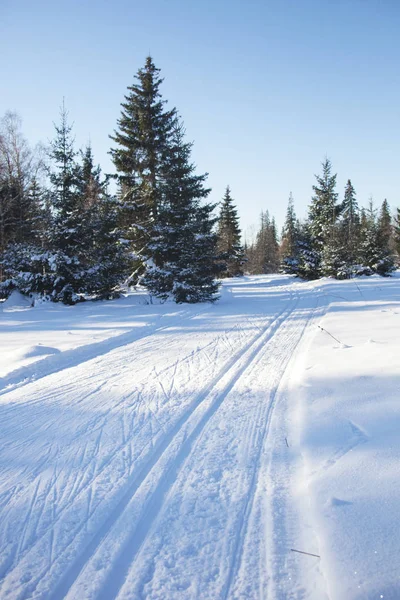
(82,514)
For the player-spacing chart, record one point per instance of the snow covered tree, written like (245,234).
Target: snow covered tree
(324,208)
(289,249)
(229,244)
(106,258)
(22,218)
(309,258)
(142,144)
(385,224)
(323,213)
(396,232)
(182,250)
(375,255)
(350,225)
(263,253)
(69,240)
(19,210)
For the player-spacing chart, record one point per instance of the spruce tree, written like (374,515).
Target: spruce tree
(323,213)
(375,256)
(142,142)
(69,232)
(266,249)
(289,249)
(229,245)
(350,224)
(106,258)
(182,251)
(309,258)
(396,233)
(385,224)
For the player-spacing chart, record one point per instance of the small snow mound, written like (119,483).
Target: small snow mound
(35,350)
(17,301)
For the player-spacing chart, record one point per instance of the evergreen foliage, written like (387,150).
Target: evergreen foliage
(70,236)
(324,208)
(182,251)
(375,256)
(229,244)
(70,239)
(290,249)
(264,254)
(309,258)
(350,226)
(143,141)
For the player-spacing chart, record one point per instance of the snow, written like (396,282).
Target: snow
(162,451)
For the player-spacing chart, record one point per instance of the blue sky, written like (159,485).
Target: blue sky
(266,88)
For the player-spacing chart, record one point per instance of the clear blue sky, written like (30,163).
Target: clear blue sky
(266,88)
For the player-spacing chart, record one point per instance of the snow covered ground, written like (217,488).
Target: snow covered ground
(177,452)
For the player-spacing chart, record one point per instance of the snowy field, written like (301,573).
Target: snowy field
(180,452)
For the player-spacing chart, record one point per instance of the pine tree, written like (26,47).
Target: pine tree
(266,249)
(105,259)
(323,213)
(324,209)
(309,258)
(385,224)
(374,253)
(182,251)
(289,249)
(350,224)
(69,236)
(142,142)
(229,246)
(396,232)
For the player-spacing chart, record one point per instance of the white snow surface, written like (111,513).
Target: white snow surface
(208,451)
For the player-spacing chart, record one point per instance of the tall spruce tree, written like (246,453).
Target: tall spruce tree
(182,250)
(323,213)
(142,143)
(385,224)
(324,209)
(350,224)
(69,240)
(289,249)
(229,244)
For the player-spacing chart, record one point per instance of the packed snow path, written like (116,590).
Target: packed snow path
(155,464)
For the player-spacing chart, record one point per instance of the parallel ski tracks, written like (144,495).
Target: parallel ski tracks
(213,394)
(241,533)
(170,452)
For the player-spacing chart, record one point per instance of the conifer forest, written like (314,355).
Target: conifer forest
(69,232)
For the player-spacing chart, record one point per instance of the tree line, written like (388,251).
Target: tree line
(339,239)
(65,236)
(72,238)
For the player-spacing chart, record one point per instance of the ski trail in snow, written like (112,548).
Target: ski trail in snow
(293,578)
(214,393)
(80,480)
(282,342)
(103,458)
(249,506)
